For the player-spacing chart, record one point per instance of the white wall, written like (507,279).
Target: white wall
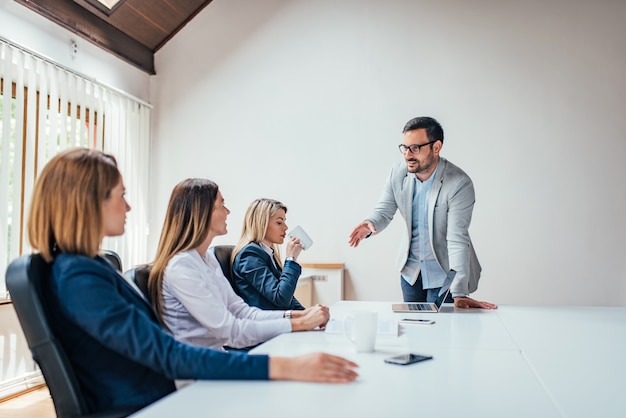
(304,101)
(38,34)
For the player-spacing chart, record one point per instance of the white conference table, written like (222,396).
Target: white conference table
(516,361)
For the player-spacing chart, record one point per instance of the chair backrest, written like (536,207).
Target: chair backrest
(24,279)
(114,258)
(223,253)
(139,275)
(27,280)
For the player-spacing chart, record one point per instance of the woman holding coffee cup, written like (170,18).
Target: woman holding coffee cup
(187,286)
(259,274)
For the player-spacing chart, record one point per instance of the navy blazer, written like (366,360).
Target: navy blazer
(121,356)
(262,284)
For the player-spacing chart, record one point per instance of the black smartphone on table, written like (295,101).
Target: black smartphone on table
(409,358)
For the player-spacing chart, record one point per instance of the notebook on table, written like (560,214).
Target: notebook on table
(413,307)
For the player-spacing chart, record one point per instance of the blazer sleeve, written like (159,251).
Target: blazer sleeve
(387,205)
(104,306)
(254,268)
(460,204)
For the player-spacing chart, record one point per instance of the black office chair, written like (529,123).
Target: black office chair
(139,275)
(223,253)
(27,278)
(114,258)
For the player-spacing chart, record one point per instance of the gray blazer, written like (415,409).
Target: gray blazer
(449,214)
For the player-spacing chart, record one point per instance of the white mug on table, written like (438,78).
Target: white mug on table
(361,328)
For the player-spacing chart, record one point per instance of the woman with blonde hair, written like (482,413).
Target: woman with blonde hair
(259,273)
(188,288)
(122,358)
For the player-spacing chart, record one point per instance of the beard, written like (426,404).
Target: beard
(420,167)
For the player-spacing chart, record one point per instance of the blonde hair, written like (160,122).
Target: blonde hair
(186,226)
(255,225)
(66,208)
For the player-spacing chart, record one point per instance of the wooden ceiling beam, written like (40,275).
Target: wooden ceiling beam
(83,23)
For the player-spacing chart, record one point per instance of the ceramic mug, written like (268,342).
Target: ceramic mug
(361,328)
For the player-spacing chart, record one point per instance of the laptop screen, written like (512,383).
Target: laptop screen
(445,289)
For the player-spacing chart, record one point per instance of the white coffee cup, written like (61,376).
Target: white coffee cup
(305,239)
(361,328)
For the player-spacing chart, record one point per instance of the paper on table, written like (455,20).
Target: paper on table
(386,327)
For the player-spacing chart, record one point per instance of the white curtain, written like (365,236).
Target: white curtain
(47,108)
(127,137)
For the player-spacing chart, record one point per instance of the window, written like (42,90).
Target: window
(44,109)
(105,6)
(75,127)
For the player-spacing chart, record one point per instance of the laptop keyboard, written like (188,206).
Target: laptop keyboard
(419,307)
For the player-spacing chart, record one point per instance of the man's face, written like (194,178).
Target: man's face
(426,160)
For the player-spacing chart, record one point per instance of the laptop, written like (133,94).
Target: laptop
(414,307)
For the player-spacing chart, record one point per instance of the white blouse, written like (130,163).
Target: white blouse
(201,308)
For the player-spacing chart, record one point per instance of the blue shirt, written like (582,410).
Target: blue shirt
(421,256)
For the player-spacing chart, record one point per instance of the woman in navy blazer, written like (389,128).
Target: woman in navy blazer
(259,274)
(188,289)
(121,356)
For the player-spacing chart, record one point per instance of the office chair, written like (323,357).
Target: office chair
(223,253)
(27,278)
(139,275)
(114,258)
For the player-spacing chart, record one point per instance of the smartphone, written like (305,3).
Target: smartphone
(417,321)
(405,359)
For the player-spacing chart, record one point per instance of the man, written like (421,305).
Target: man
(436,199)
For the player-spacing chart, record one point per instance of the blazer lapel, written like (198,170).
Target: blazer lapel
(408,186)
(434,194)
(261,252)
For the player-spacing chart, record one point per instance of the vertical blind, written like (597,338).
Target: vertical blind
(46,108)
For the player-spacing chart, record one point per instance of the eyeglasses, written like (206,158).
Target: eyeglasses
(415,149)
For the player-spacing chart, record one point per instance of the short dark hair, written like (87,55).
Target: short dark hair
(434,131)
